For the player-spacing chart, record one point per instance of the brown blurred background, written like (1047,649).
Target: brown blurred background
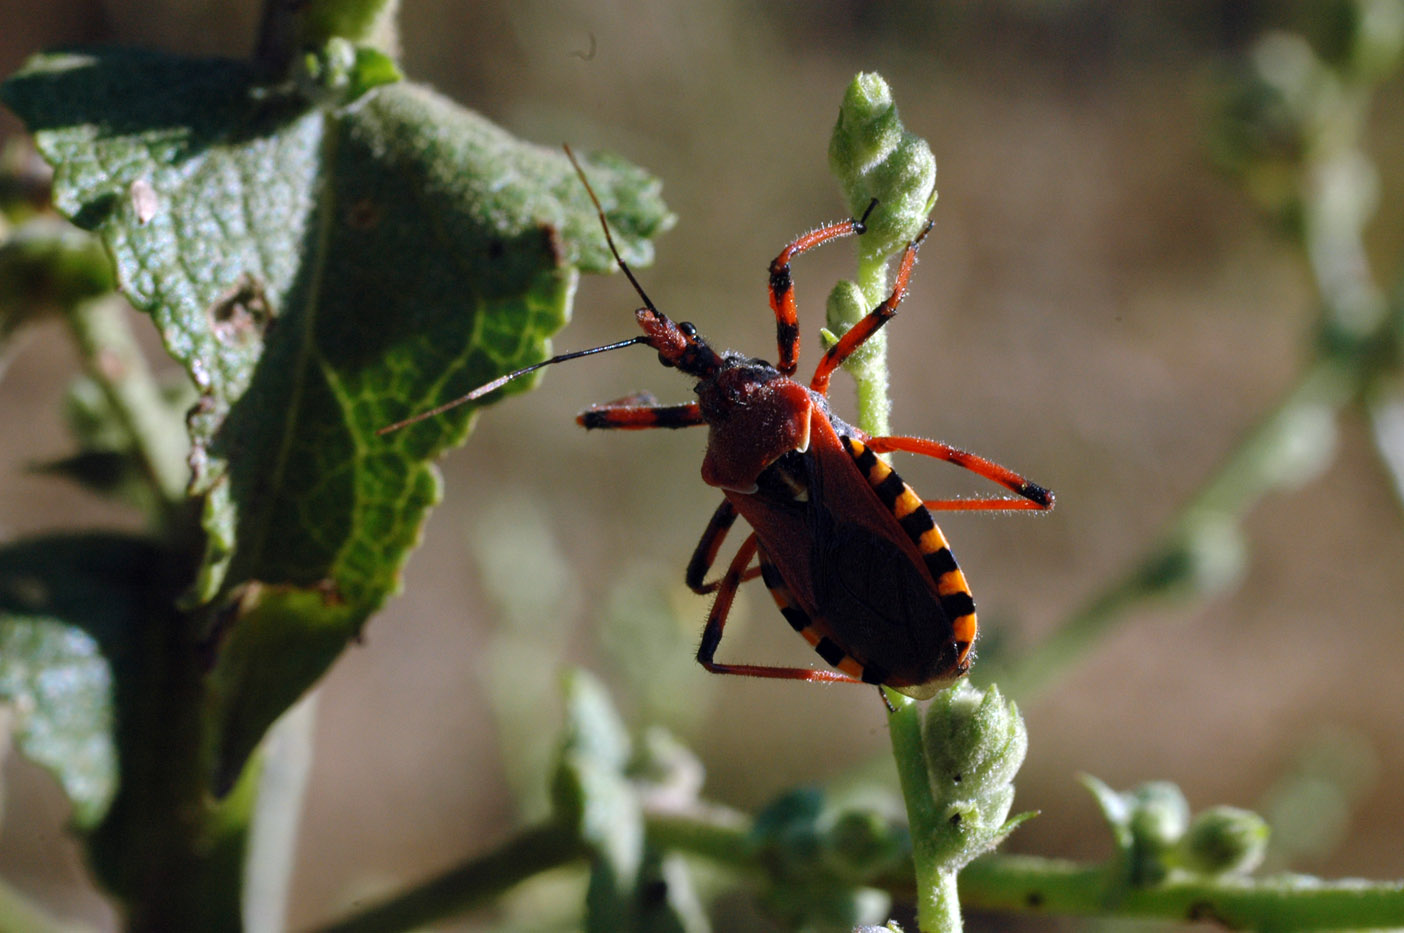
(1096,307)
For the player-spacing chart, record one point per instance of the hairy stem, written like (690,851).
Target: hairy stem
(115,362)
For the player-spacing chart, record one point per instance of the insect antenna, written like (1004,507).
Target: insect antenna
(501,381)
(609,237)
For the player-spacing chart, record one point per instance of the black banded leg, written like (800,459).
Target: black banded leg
(859,333)
(716,622)
(1035,497)
(782,292)
(638,412)
(706,553)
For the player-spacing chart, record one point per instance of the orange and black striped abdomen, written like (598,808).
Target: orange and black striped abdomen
(906,507)
(856,565)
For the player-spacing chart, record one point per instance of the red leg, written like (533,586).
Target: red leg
(859,333)
(637,412)
(706,554)
(782,293)
(716,621)
(1034,496)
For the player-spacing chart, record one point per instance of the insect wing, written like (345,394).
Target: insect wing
(844,572)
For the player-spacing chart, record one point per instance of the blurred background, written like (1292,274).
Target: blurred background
(1097,308)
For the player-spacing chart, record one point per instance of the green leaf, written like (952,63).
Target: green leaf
(592,793)
(103,673)
(57,681)
(320,271)
(71,610)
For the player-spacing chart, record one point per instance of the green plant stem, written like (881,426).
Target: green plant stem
(363,22)
(1053,886)
(874,400)
(471,884)
(1016,883)
(707,830)
(937,900)
(286,27)
(113,359)
(1289,443)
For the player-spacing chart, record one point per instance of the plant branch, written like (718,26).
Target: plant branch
(1327,203)
(1016,883)
(115,362)
(1200,554)
(1284,902)
(938,900)
(471,884)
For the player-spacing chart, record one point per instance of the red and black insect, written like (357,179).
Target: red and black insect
(848,550)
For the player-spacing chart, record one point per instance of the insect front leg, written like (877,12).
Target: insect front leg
(859,333)
(716,621)
(1033,496)
(638,412)
(782,292)
(706,554)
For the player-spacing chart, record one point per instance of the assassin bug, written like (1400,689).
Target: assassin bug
(848,550)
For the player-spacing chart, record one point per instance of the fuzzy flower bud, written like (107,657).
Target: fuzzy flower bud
(1225,841)
(974,743)
(873,156)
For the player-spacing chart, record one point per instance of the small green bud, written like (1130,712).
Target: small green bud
(861,843)
(1159,814)
(816,862)
(846,306)
(1225,841)
(975,741)
(340,72)
(1146,822)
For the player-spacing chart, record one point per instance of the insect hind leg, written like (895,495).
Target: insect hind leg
(1033,496)
(716,622)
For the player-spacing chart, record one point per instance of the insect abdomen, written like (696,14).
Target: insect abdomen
(952,592)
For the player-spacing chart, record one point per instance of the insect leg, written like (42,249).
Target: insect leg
(782,293)
(637,412)
(859,333)
(706,554)
(716,620)
(1034,496)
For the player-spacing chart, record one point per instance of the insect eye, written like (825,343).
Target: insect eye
(687,329)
